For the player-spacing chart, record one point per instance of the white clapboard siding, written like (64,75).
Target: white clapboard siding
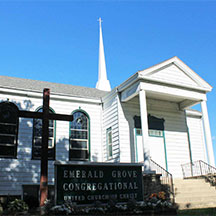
(110,120)
(24,171)
(197,140)
(161,105)
(173,74)
(126,113)
(15,173)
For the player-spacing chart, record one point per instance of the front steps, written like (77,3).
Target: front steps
(194,193)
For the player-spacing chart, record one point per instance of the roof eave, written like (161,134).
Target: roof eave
(54,95)
(130,81)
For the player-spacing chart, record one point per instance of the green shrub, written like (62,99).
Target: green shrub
(17,206)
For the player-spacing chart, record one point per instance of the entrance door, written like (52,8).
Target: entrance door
(157,151)
(156,143)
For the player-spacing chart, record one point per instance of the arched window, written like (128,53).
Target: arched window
(79,136)
(37,138)
(9,122)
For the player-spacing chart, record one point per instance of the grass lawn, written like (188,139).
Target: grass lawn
(198,212)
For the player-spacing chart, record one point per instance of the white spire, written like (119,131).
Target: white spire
(103,83)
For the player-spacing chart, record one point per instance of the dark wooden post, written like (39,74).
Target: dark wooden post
(44,149)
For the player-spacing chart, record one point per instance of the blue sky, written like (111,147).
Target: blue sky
(57,41)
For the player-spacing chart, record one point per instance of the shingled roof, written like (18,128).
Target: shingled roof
(57,88)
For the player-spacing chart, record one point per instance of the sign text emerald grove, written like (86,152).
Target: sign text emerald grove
(87,183)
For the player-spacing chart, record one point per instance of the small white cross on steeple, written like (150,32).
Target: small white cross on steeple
(100,21)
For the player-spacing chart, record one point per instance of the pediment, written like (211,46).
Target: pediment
(174,71)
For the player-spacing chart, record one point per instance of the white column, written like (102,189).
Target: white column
(144,125)
(208,137)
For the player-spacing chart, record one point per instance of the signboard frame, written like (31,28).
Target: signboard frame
(137,167)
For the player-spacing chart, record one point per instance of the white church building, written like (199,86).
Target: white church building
(148,116)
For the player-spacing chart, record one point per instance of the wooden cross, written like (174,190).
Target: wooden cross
(45,115)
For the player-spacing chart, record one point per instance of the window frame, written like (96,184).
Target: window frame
(15,135)
(108,143)
(87,149)
(53,138)
(155,133)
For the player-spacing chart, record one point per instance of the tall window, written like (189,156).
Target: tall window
(37,138)
(109,143)
(9,122)
(79,137)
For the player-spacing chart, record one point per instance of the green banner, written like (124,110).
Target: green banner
(88,183)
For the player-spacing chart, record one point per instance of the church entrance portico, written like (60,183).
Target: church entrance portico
(167,90)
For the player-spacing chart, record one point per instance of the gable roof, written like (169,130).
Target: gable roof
(57,88)
(174,71)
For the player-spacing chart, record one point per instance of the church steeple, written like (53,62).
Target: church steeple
(102,83)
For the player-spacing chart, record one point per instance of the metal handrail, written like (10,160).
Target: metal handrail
(197,168)
(166,178)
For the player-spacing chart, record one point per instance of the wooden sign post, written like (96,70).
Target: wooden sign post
(44,149)
(45,116)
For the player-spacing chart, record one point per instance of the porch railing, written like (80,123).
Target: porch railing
(166,178)
(198,169)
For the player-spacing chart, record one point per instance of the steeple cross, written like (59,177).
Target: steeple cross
(100,21)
